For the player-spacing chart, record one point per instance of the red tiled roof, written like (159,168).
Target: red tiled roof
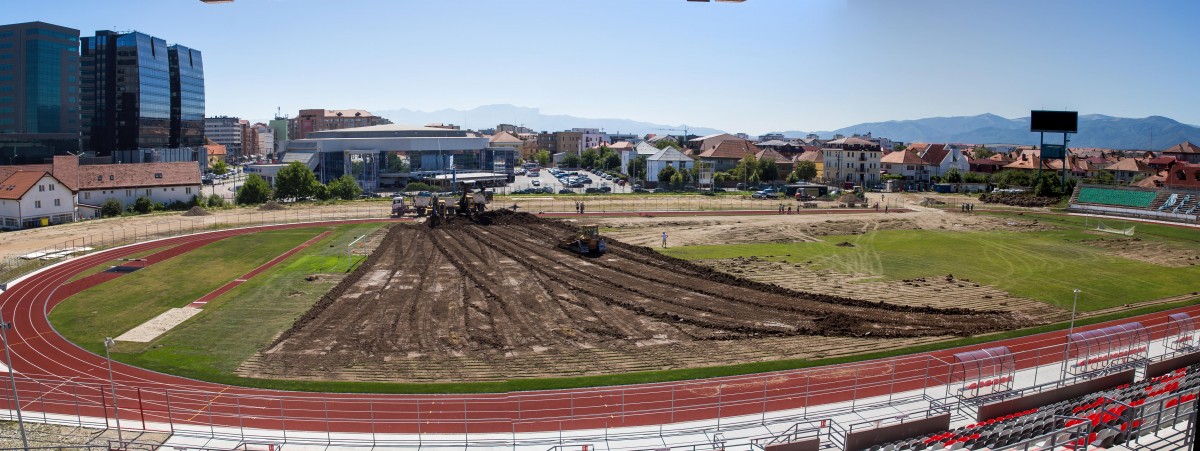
(935,153)
(504,137)
(814,156)
(769,153)
(113,176)
(1183,147)
(1162,160)
(902,157)
(733,149)
(20,182)
(1129,164)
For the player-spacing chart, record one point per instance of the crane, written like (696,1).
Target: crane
(683,142)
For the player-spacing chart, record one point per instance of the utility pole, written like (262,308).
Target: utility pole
(12,379)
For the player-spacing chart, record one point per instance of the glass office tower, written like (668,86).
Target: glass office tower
(128,94)
(39,84)
(187,97)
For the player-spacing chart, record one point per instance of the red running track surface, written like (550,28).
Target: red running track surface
(59,377)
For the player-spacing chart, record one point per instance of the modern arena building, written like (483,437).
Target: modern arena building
(370,154)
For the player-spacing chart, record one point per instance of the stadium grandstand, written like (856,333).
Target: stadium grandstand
(1166,204)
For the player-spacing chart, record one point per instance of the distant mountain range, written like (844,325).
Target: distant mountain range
(489,116)
(1095,130)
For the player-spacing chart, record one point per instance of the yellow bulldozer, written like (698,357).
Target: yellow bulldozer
(586,242)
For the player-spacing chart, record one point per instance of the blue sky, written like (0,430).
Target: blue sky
(757,66)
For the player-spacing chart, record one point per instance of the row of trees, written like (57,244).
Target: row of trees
(297,182)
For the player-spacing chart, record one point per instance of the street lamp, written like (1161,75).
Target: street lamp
(1074,304)
(12,379)
(108,343)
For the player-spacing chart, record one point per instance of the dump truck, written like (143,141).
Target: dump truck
(400,207)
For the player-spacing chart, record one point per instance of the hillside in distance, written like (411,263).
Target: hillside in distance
(1095,130)
(488,116)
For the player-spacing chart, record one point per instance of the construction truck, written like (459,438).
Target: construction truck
(586,242)
(400,207)
(423,203)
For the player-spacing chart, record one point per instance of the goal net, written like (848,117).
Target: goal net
(1101,226)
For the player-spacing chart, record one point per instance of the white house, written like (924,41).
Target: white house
(34,199)
(942,158)
(668,156)
(642,149)
(161,182)
(906,163)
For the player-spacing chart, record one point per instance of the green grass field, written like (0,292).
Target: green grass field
(231,327)
(1044,266)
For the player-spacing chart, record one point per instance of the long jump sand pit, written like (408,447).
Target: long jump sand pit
(466,301)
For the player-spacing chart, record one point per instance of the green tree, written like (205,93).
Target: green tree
(677,180)
(768,170)
(396,164)
(570,160)
(664,143)
(215,200)
(953,176)
(665,174)
(344,188)
(588,158)
(111,207)
(898,147)
(792,177)
(143,205)
(982,152)
(611,162)
(543,157)
(220,167)
(637,168)
(973,177)
(254,191)
(295,181)
(747,169)
(322,192)
(806,170)
(1012,178)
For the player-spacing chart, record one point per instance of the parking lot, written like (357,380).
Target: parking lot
(547,180)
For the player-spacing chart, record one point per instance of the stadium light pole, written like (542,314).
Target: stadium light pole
(1074,304)
(12,379)
(108,343)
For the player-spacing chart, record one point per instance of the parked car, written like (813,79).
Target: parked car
(769,193)
(565,191)
(537,183)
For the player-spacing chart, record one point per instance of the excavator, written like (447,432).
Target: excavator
(472,203)
(587,241)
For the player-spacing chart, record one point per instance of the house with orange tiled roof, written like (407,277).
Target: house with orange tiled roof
(815,157)
(726,155)
(906,163)
(783,163)
(1129,169)
(1184,151)
(34,199)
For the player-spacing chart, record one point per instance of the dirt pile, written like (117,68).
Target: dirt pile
(271,206)
(196,211)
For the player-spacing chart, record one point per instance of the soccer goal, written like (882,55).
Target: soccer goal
(1101,226)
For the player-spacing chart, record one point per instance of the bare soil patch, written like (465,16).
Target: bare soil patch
(1153,252)
(799,228)
(465,301)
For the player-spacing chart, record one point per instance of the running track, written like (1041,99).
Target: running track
(59,377)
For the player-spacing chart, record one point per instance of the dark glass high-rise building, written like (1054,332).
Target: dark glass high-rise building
(39,98)
(130,90)
(187,96)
